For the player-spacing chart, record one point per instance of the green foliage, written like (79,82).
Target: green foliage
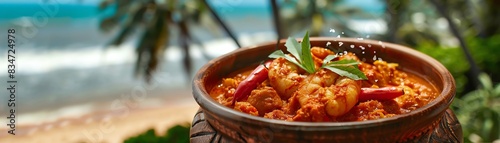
(176,134)
(485,52)
(479,111)
(452,58)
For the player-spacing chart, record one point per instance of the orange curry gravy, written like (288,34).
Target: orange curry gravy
(264,101)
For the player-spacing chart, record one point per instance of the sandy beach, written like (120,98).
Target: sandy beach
(109,126)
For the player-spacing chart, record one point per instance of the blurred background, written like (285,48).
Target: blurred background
(121,70)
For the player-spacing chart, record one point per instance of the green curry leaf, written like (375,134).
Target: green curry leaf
(307,60)
(348,68)
(328,59)
(341,63)
(293,47)
(302,53)
(280,54)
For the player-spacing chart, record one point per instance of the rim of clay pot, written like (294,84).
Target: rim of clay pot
(446,95)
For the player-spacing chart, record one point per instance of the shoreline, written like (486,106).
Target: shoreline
(105,125)
(112,102)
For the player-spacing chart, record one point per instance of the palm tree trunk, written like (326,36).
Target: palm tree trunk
(222,24)
(276,19)
(474,69)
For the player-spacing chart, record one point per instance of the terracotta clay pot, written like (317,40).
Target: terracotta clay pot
(243,127)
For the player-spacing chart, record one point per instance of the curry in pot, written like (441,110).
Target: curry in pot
(317,85)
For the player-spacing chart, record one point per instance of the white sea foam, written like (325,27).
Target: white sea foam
(35,62)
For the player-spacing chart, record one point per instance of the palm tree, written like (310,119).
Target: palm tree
(158,21)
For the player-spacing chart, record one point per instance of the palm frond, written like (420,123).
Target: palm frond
(221,23)
(129,26)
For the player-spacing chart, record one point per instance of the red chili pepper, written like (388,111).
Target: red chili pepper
(253,80)
(384,93)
